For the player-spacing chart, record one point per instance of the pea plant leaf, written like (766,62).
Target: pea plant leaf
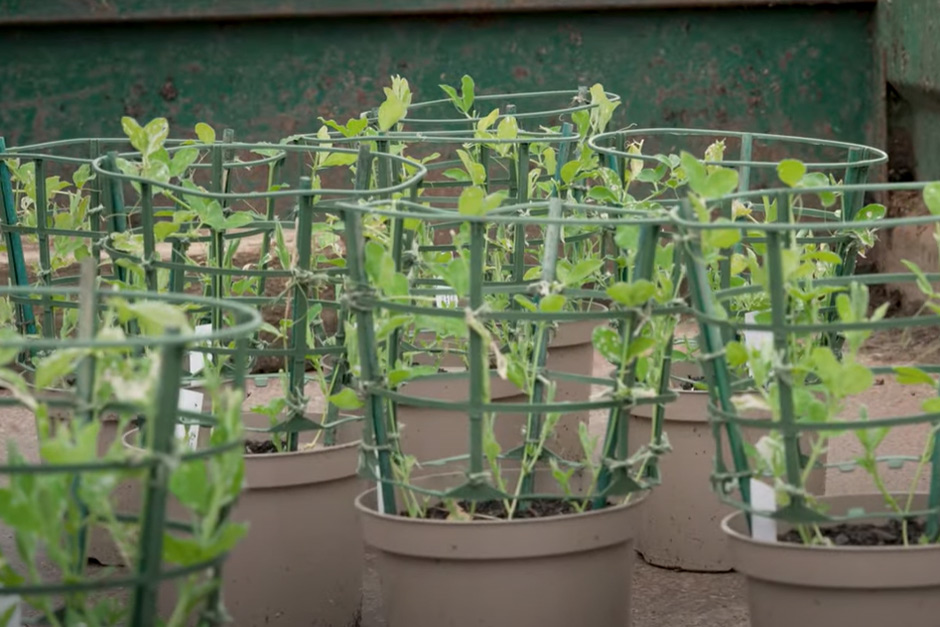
(608,344)
(632,294)
(205,133)
(909,375)
(932,198)
(791,171)
(346,399)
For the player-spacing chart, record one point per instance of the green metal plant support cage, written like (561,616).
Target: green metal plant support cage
(52,505)
(376,302)
(287,271)
(803,381)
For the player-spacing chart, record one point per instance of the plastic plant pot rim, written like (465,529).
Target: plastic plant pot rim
(419,172)
(638,498)
(879,157)
(372,114)
(840,567)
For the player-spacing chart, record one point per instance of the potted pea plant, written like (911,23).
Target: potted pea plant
(810,558)
(496,159)
(680,519)
(543,538)
(231,225)
(53,504)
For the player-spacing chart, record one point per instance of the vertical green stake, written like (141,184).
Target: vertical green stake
(616,440)
(376,426)
(14,243)
(478,350)
(779,308)
(88,306)
(549,261)
(118,221)
(298,333)
(150,242)
(45,264)
(715,367)
(153,514)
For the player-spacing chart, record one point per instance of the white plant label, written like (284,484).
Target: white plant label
(197,359)
(756,339)
(190,400)
(448,301)
(763,529)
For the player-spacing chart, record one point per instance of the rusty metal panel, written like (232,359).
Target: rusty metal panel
(52,11)
(803,70)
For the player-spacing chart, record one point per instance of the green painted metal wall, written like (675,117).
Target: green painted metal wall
(910,38)
(792,68)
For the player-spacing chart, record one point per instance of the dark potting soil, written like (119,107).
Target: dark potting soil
(496,509)
(261,447)
(689,385)
(866,534)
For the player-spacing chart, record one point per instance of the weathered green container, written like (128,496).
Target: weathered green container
(269,69)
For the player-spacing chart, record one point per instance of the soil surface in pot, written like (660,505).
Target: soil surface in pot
(866,534)
(262,447)
(496,509)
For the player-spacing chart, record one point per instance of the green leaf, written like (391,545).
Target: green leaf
(721,238)
(931,405)
(508,128)
(791,171)
(632,294)
(162,230)
(189,483)
(452,94)
(602,194)
(909,375)
(552,303)
(640,347)
(346,399)
(60,363)
(457,275)
(155,317)
(720,182)
(736,354)
(471,200)
(874,211)
(932,198)
(569,170)
(457,174)
(524,302)
(157,131)
(581,271)
(467,94)
(390,112)
(856,378)
(135,133)
(205,133)
(608,344)
(695,172)
(188,551)
(485,123)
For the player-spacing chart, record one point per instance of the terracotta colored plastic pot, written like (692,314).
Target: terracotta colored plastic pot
(681,522)
(815,586)
(560,571)
(300,563)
